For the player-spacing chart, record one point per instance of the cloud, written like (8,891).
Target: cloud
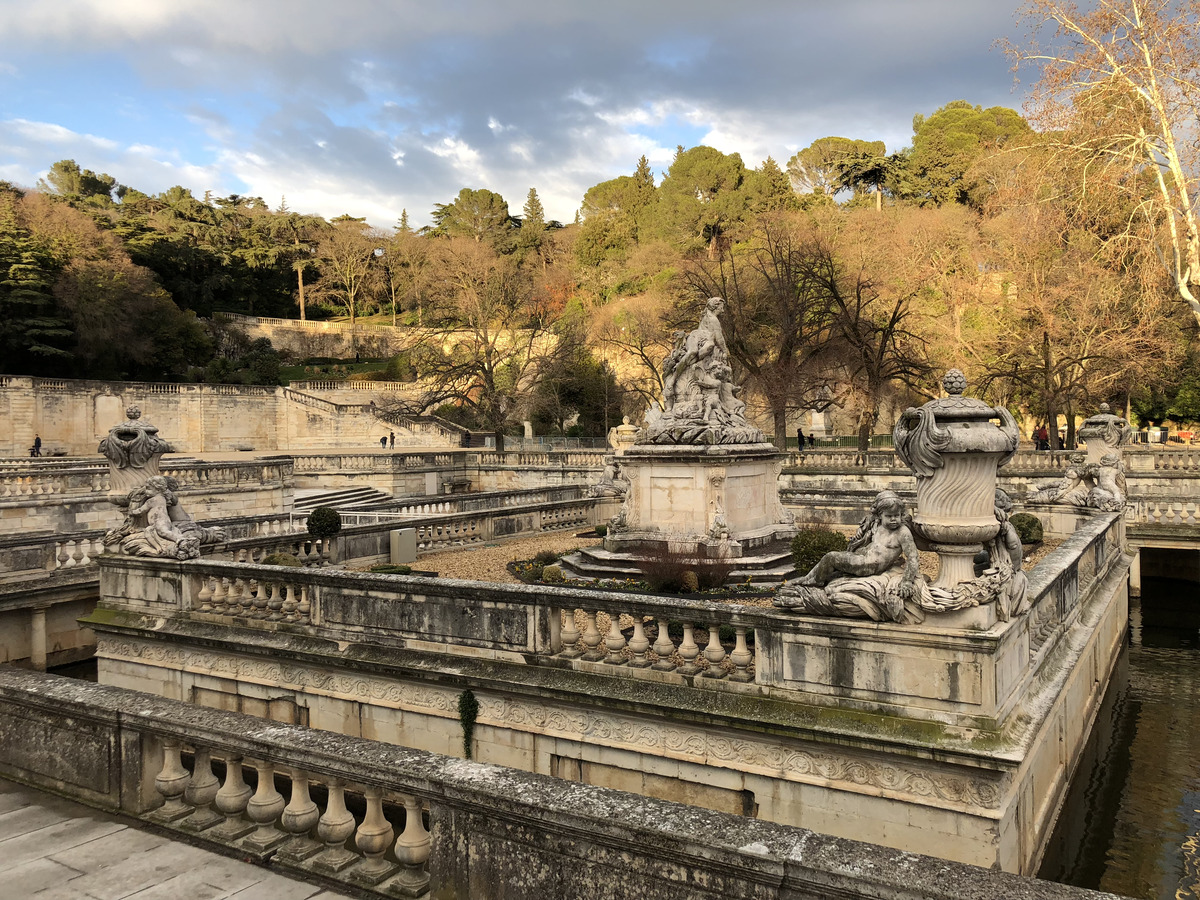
(368,108)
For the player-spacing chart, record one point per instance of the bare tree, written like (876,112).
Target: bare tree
(1118,88)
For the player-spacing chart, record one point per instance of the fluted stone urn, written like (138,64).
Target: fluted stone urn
(954,447)
(133,450)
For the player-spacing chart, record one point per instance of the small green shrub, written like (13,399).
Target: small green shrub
(689,582)
(1028,526)
(812,543)
(601,531)
(392,570)
(468,711)
(324,522)
(281,559)
(553,574)
(546,558)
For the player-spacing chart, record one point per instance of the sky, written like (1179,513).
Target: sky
(368,107)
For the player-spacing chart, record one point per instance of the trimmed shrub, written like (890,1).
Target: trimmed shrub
(281,559)
(601,531)
(546,558)
(689,582)
(553,575)
(324,522)
(1028,527)
(812,543)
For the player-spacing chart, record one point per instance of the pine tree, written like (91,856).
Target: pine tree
(404,227)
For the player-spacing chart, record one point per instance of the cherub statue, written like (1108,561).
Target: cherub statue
(1072,488)
(1109,476)
(881,540)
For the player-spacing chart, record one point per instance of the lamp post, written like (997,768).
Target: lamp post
(381,255)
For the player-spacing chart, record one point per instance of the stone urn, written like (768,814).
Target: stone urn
(1104,433)
(133,450)
(954,448)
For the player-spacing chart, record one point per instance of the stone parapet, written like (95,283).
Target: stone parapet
(121,750)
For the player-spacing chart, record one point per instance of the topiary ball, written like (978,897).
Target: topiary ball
(689,582)
(324,521)
(281,559)
(810,544)
(1028,527)
(553,575)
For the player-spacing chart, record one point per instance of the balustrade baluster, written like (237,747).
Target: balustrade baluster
(591,638)
(200,794)
(714,653)
(171,782)
(412,850)
(304,606)
(259,601)
(298,819)
(615,641)
(204,597)
(664,648)
(639,644)
(77,554)
(334,829)
(741,657)
(220,597)
(275,602)
(289,604)
(373,839)
(570,636)
(688,651)
(61,557)
(263,809)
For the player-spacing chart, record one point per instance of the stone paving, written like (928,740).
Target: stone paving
(54,849)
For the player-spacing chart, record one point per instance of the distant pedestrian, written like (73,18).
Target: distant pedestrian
(800,438)
(37,445)
(392,440)
(1043,438)
(383,442)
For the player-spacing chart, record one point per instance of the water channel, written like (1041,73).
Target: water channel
(1131,822)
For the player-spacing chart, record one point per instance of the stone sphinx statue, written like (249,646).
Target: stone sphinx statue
(155,524)
(878,576)
(699,399)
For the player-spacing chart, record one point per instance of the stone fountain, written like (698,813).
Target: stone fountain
(702,481)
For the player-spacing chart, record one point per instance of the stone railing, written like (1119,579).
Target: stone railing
(326,406)
(430,824)
(590,459)
(640,636)
(83,478)
(25,557)
(400,387)
(310,325)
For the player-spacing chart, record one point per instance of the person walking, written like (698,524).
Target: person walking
(800,438)
(383,442)
(37,445)
(391,440)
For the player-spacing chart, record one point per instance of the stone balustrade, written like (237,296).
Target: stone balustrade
(83,478)
(428,823)
(651,637)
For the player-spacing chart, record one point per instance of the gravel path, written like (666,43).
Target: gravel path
(486,562)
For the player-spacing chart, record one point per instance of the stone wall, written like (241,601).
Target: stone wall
(337,340)
(72,416)
(953,742)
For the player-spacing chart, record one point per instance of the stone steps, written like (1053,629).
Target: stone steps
(595,564)
(349,499)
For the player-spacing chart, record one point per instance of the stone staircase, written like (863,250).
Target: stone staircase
(768,565)
(350,499)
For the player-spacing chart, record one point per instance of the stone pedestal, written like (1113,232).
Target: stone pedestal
(706,501)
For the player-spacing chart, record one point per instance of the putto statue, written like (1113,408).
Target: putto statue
(155,524)
(699,399)
(1096,481)
(613,482)
(878,576)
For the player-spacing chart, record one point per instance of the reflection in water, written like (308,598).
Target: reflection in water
(1131,823)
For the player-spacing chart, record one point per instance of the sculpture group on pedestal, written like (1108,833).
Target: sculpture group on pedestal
(1097,480)
(155,524)
(699,400)
(954,449)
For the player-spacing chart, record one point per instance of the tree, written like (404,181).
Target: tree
(300,233)
(489,338)
(817,169)
(67,180)
(947,143)
(532,235)
(1118,87)
(768,189)
(479,214)
(344,253)
(700,199)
